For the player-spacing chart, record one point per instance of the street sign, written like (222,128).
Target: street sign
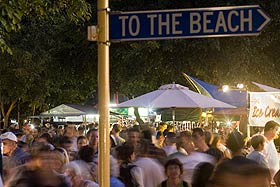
(188,23)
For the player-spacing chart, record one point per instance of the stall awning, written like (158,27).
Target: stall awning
(69,110)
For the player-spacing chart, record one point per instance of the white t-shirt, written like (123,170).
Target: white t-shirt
(170,149)
(190,163)
(271,155)
(153,172)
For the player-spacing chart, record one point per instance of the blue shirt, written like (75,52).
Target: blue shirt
(259,158)
(20,156)
(115,182)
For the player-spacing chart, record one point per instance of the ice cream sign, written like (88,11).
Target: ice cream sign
(264,106)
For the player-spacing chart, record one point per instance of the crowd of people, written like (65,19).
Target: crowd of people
(141,156)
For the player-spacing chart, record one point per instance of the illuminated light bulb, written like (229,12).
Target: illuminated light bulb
(240,86)
(225,88)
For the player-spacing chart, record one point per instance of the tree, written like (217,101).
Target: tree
(18,75)
(73,72)
(13,12)
(35,65)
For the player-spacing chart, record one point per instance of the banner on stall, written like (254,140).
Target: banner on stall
(264,106)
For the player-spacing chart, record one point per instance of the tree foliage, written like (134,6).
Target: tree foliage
(13,12)
(39,70)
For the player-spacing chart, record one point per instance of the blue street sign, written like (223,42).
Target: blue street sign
(188,23)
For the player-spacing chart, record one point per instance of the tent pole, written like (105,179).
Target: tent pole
(173,116)
(247,110)
(200,118)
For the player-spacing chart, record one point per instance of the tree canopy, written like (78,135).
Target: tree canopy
(13,13)
(31,62)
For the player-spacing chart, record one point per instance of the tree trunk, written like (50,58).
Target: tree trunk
(33,113)
(138,119)
(6,115)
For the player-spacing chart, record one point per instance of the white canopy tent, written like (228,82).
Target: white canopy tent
(266,88)
(72,112)
(174,96)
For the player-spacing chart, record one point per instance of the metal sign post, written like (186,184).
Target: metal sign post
(103,94)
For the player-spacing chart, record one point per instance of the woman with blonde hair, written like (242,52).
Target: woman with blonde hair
(61,159)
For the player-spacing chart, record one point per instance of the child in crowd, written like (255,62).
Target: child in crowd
(257,142)
(173,171)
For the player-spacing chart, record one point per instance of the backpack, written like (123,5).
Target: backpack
(126,177)
(164,184)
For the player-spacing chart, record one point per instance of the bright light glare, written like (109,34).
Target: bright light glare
(112,105)
(32,126)
(240,86)
(92,115)
(203,114)
(14,121)
(143,112)
(228,123)
(225,88)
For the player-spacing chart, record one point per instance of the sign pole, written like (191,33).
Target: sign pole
(247,109)
(103,93)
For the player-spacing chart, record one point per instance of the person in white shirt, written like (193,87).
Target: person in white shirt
(270,152)
(189,157)
(170,143)
(73,171)
(152,170)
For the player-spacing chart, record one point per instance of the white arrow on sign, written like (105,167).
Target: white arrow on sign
(267,19)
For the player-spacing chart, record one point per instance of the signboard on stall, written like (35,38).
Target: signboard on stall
(264,106)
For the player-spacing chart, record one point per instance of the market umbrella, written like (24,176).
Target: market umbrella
(174,96)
